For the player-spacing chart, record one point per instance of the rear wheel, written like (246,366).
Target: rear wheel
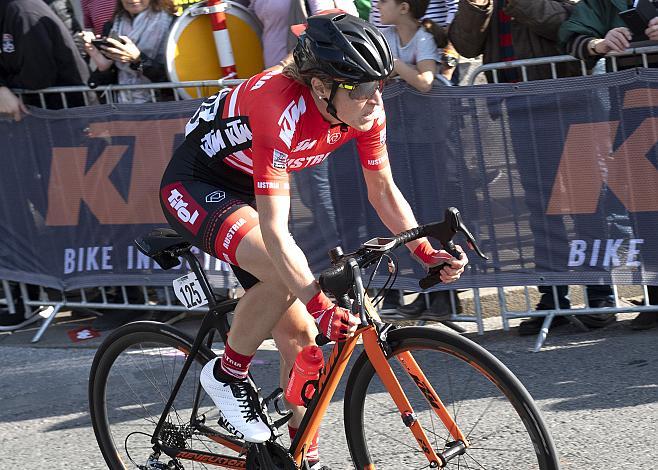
(491,407)
(131,379)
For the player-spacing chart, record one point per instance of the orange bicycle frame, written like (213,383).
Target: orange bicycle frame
(333,371)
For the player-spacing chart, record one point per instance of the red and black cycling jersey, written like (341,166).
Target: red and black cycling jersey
(248,139)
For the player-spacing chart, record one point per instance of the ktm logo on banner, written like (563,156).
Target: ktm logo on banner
(74,180)
(588,162)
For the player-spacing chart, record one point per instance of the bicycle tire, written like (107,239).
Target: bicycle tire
(367,404)
(129,341)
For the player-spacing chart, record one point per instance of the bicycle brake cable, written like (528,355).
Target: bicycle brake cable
(379,296)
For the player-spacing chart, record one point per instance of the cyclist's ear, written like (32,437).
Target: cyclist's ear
(319,88)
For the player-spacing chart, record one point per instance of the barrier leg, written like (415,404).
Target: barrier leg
(47,321)
(9,298)
(478,310)
(502,302)
(543,333)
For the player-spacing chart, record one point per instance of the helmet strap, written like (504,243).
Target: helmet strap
(331,109)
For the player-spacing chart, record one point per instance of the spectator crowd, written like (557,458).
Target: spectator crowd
(124,42)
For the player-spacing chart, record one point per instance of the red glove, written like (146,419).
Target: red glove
(332,320)
(431,257)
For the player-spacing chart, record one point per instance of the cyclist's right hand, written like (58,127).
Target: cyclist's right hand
(334,322)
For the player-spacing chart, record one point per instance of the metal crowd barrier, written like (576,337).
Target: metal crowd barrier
(161,298)
(642,50)
(109,92)
(78,299)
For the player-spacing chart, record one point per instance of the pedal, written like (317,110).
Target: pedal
(275,395)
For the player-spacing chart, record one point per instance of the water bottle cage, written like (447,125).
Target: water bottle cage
(313,383)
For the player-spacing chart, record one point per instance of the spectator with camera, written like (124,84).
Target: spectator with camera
(133,52)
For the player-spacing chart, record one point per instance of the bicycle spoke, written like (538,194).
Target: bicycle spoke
(480,418)
(473,459)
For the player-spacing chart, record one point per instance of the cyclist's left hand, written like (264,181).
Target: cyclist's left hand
(430,257)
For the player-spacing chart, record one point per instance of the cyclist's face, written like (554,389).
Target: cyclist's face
(358,113)
(356,107)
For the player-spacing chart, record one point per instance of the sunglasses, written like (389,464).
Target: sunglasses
(362,91)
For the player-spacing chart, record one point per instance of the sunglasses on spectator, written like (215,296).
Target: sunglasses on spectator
(362,91)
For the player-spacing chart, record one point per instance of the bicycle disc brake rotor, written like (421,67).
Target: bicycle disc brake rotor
(278,455)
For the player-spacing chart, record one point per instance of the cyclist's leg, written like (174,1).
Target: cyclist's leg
(295,330)
(228,230)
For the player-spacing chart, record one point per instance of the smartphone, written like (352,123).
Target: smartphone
(100,42)
(104,42)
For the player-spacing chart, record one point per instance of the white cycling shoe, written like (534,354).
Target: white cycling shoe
(238,406)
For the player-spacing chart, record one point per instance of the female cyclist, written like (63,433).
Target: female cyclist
(226,190)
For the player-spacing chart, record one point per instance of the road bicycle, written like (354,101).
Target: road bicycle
(416,397)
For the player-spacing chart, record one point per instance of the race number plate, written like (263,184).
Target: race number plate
(189,292)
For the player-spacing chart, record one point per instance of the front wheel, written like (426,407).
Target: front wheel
(487,402)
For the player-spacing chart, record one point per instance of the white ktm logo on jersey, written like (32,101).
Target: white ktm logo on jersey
(289,118)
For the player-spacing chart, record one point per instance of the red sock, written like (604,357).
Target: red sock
(313,453)
(235,364)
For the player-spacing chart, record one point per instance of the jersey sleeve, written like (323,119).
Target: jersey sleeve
(371,145)
(270,150)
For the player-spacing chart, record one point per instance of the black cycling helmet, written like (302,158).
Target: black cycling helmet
(343,47)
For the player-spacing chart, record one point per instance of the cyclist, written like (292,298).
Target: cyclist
(226,190)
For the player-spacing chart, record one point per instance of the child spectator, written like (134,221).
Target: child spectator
(414,44)
(139,52)
(442,13)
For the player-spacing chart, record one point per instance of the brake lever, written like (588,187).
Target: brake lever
(444,232)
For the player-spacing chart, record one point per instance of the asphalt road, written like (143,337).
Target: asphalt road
(598,391)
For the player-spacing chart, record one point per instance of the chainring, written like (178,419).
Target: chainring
(278,454)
